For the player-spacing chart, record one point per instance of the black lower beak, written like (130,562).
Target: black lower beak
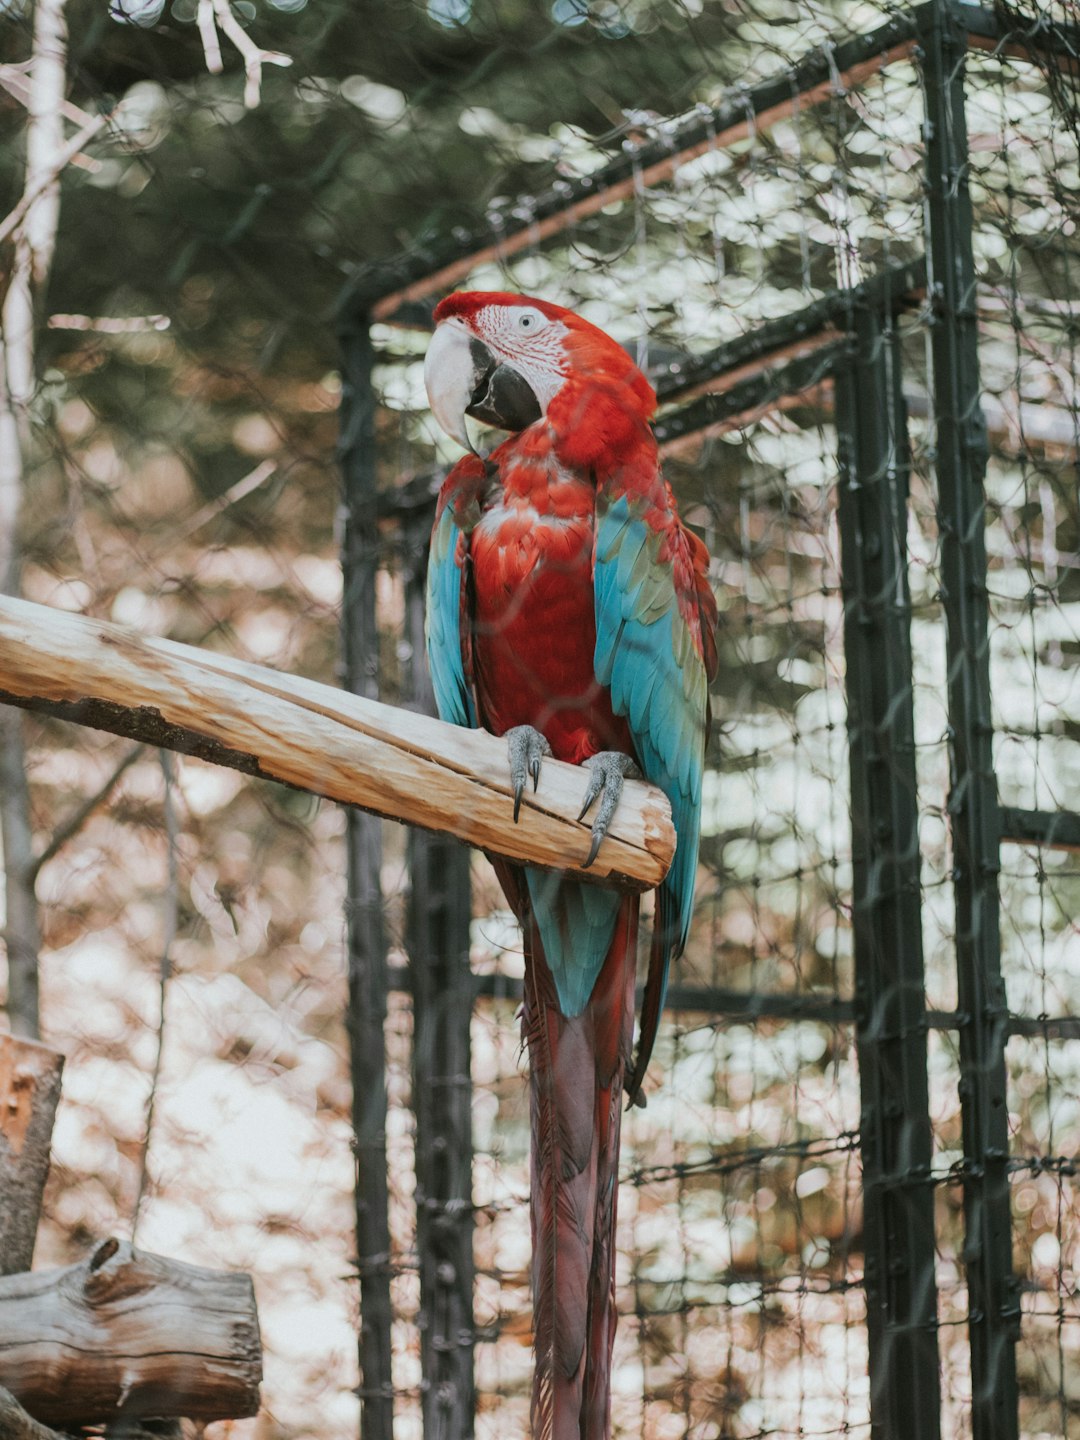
(502,396)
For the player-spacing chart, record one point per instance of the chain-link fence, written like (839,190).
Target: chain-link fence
(849,273)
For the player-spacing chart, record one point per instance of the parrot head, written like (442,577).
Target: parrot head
(508,359)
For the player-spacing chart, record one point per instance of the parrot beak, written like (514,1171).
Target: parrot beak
(462,378)
(450,378)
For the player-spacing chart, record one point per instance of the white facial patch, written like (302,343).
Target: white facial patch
(527,339)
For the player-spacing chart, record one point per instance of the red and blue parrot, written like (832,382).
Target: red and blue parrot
(569,610)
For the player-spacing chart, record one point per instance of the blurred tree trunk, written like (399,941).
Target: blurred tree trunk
(32,246)
(29,1092)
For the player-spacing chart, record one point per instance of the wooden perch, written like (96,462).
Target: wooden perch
(393,762)
(29,1091)
(132,1334)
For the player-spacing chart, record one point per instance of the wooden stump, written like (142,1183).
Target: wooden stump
(126,1333)
(29,1091)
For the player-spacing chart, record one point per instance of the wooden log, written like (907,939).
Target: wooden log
(128,1334)
(392,762)
(16,1424)
(29,1091)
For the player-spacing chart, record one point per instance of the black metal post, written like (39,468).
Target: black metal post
(890,1000)
(437,939)
(993,1300)
(366,935)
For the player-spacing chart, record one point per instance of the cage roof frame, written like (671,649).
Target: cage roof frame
(400,290)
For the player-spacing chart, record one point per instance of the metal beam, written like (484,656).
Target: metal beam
(764,351)
(749,397)
(437,924)
(400,289)
(435,265)
(365,930)
(1038,41)
(1056,829)
(890,987)
(894,288)
(711,1000)
(1045,1027)
(961,448)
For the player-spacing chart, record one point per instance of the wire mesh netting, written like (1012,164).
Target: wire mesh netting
(740,1203)
(1024,187)
(744,196)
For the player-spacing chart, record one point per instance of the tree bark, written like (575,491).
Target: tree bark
(16,1424)
(34,242)
(393,762)
(22,930)
(22,925)
(125,1334)
(29,1091)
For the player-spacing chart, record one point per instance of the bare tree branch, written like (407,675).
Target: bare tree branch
(64,157)
(78,818)
(215,14)
(212,508)
(110,324)
(172,924)
(15,79)
(33,224)
(208,35)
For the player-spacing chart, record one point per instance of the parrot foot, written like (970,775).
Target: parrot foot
(527,749)
(606,780)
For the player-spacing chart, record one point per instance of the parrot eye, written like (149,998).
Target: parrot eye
(529,321)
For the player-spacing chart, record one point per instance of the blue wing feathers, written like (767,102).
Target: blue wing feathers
(645,654)
(630,549)
(443,625)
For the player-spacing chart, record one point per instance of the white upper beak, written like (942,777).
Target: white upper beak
(449,377)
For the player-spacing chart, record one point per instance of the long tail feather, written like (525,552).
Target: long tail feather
(652,1003)
(578,1065)
(612,1059)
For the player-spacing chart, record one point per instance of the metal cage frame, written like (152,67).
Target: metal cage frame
(850,339)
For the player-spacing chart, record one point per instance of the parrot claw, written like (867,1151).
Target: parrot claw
(608,769)
(527,748)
